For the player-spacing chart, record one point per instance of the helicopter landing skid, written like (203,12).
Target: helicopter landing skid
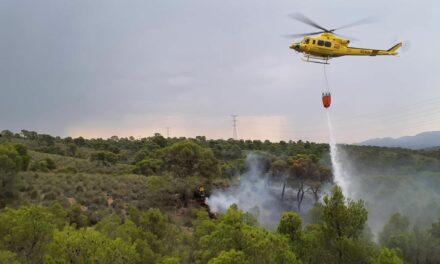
(315,59)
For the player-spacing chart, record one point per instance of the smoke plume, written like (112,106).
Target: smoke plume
(392,188)
(258,193)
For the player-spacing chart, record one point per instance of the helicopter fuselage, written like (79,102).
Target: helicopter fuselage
(327,46)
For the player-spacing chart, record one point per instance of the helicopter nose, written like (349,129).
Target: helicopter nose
(295,46)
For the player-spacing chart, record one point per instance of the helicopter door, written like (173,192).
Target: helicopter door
(308,44)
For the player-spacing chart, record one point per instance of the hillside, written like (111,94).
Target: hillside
(143,201)
(423,140)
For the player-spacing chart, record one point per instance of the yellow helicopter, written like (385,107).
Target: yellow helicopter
(326,46)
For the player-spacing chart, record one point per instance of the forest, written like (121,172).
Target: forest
(142,200)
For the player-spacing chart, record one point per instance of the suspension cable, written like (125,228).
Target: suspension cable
(326,80)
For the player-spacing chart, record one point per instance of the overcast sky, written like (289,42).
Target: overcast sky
(103,68)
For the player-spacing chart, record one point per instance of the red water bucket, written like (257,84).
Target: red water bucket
(326,99)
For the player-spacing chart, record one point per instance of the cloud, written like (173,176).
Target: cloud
(69,64)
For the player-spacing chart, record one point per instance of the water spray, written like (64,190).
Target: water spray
(340,177)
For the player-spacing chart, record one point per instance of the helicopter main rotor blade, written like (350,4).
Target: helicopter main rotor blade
(357,23)
(303,34)
(346,37)
(306,20)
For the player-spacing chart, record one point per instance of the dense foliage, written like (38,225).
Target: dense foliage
(127,200)
(36,234)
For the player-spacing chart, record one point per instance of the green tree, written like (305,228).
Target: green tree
(44,139)
(8,135)
(186,158)
(397,224)
(31,135)
(71,149)
(312,249)
(315,183)
(413,245)
(279,170)
(290,225)
(44,165)
(435,230)
(343,222)
(301,167)
(396,235)
(77,216)
(105,158)
(232,232)
(128,231)
(169,260)
(230,169)
(230,257)
(422,247)
(11,163)
(10,159)
(149,166)
(80,141)
(152,233)
(387,256)
(159,140)
(8,257)
(25,158)
(154,222)
(61,215)
(27,230)
(89,246)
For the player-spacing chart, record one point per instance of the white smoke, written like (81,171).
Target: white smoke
(256,193)
(385,191)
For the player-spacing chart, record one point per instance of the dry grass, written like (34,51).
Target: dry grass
(81,165)
(94,191)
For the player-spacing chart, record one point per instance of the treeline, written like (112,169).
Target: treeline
(390,159)
(133,150)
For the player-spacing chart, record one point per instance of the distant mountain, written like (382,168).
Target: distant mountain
(420,141)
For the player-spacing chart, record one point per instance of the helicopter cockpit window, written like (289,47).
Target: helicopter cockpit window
(320,42)
(328,44)
(307,41)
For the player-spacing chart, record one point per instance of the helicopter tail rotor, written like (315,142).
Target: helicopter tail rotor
(406,44)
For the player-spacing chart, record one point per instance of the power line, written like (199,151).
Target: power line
(404,115)
(234,126)
(396,111)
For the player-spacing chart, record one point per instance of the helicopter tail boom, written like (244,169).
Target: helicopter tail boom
(373,52)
